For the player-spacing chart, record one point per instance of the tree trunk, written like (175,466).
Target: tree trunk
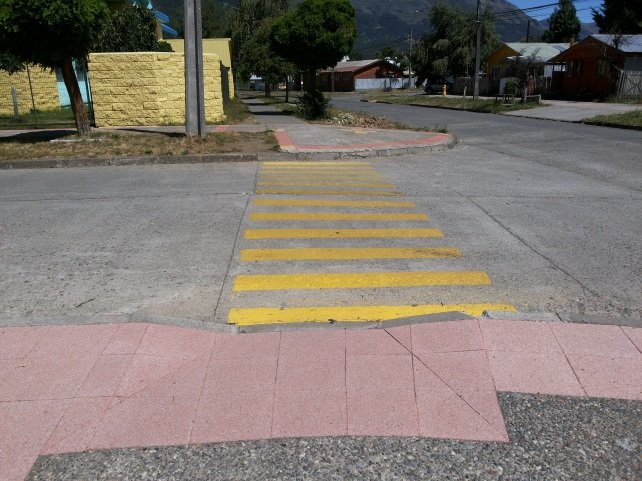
(287,90)
(77,105)
(266,89)
(310,80)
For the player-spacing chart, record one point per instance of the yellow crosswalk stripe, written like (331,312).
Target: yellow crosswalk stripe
(357,280)
(340,233)
(325,183)
(348,253)
(312,164)
(362,193)
(320,175)
(332,203)
(272,315)
(336,216)
(334,170)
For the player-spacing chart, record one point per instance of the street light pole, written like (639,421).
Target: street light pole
(477,54)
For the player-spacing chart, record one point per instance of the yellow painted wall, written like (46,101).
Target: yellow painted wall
(148,88)
(498,58)
(45,90)
(217,46)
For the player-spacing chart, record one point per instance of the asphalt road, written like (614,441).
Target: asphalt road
(551,211)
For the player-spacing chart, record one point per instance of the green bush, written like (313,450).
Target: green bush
(313,105)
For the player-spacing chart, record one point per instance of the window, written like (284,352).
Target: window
(574,67)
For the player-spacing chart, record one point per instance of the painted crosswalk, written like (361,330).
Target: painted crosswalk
(322,228)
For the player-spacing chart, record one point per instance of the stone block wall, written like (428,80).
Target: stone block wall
(148,88)
(43,83)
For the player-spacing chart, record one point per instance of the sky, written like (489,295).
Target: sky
(583,8)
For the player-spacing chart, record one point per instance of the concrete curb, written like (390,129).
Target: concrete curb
(122,161)
(233,157)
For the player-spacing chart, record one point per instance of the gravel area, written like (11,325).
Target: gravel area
(552,438)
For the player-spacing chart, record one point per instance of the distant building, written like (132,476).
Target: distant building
(596,66)
(538,54)
(361,75)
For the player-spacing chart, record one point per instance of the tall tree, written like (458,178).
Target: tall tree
(619,17)
(265,63)
(51,33)
(448,49)
(245,21)
(563,24)
(317,34)
(129,29)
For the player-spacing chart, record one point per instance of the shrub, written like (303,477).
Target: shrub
(313,105)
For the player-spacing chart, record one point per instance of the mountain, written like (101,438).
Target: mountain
(383,23)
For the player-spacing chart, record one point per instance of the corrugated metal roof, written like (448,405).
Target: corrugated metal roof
(626,43)
(541,52)
(351,65)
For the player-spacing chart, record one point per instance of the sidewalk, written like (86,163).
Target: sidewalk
(75,388)
(297,140)
(570,111)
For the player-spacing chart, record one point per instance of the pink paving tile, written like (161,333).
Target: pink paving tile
(386,412)
(25,426)
(372,373)
(78,425)
(479,394)
(518,336)
(373,342)
(241,346)
(74,341)
(311,374)
(224,375)
(16,468)
(609,377)
(233,416)
(176,342)
(55,378)
(594,340)
(446,336)
(315,344)
(310,413)
(17,342)
(126,339)
(402,335)
(462,371)
(154,376)
(105,376)
(146,421)
(443,414)
(6,368)
(537,373)
(635,335)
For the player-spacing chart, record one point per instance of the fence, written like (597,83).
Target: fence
(380,83)
(629,84)
(34,97)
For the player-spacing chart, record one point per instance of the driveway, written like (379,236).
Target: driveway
(569,111)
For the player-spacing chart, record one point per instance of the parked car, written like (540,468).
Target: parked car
(433,87)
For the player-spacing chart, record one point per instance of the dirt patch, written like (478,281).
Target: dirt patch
(134,144)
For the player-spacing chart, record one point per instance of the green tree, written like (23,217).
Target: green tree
(563,24)
(129,29)
(51,33)
(263,61)
(244,23)
(448,49)
(619,17)
(317,34)
(9,63)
